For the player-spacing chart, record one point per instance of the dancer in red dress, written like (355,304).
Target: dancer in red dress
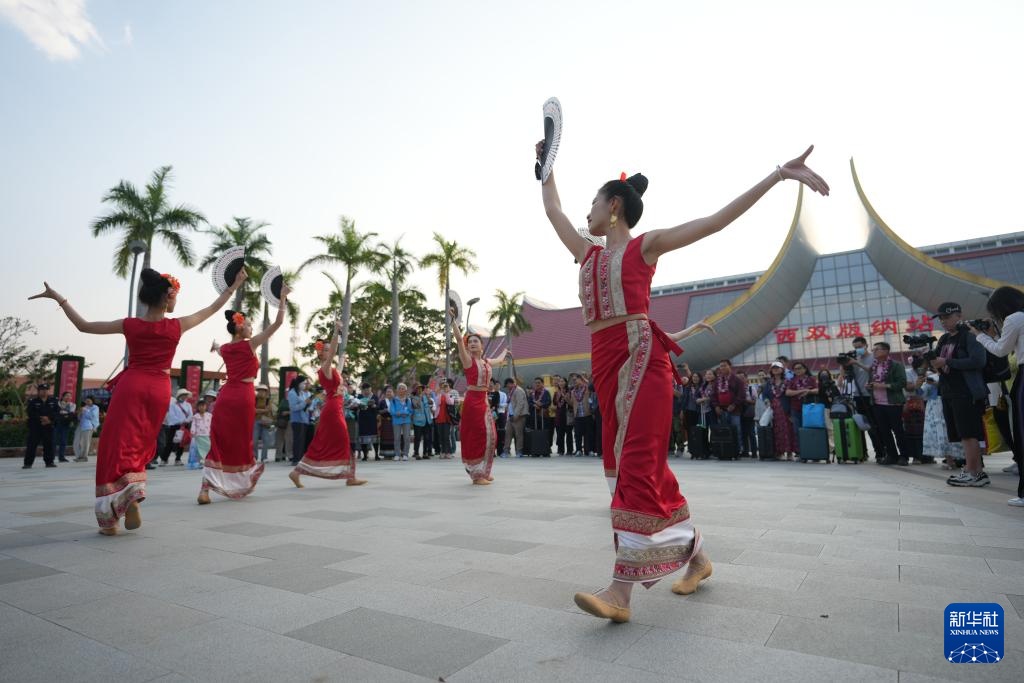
(140,395)
(329,456)
(230,468)
(633,373)
(477,429)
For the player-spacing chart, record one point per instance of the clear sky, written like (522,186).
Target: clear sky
(413,117)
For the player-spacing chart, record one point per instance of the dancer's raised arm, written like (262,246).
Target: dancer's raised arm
(260,339)
(332,351)
(690,331)
(80,323)
(189,321)
(572,240)
(460,342)
(658,242)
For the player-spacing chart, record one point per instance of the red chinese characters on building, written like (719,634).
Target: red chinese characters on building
(849,331)
(817,332)
(924,324)
(880,327)
(786,335)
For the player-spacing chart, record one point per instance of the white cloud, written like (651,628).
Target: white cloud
(57,27)
(127,38)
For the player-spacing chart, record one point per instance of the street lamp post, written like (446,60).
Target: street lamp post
(137,247)
(469,309)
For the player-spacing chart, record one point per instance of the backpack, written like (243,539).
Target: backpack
(453,415)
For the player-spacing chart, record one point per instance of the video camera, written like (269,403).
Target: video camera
(846,357)
(916,342)
(980,324)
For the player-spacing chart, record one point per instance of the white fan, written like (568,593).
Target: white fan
(225,268)
(552,138)
(270,286)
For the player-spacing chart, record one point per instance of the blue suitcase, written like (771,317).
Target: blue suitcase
(813,444)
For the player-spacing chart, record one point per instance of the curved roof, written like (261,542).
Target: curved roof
(758,310)
(924,280)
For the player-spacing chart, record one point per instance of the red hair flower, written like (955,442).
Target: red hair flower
(622,176)
(319,346)
(238,319)
(175,285)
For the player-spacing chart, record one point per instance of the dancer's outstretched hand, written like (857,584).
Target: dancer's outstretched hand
(47,293)
(798,170)
(539,149)
(285,291)
(702,325)
(240,278)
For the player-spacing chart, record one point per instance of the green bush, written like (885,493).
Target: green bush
(13,433)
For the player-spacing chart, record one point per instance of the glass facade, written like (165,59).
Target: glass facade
(704,305)
(1007,267)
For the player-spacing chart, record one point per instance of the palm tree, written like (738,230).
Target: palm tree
(147,216)
(508,316)
(350,249)
(448,255)
(397,268)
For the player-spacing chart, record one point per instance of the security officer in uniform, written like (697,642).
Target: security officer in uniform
(42,413)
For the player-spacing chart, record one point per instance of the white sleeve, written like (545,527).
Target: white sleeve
(1013,327)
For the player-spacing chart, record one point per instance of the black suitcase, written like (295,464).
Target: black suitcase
(765,443)
(538,441)
(723,442)
(698,444)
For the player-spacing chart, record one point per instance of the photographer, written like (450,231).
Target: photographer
(853,383)
(1006,306)
(959,362)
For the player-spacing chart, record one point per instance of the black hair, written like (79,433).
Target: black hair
(726,361)
(232,327)
(509,380)
(862,340)
(884,345)
(474,334)
(65,393)
(782,359)
(630,191)
(1005,301)
(299,379)
(201,402)
(365,385)
(154,288)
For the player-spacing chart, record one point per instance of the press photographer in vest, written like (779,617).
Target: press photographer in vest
(1000,336)
(960,360)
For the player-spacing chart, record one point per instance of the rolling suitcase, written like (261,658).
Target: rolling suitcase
(723,442)
(849,440)
(813,444)
(538,441)
(765,443)
(699,443)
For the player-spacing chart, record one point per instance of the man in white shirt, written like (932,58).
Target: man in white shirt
(179,417)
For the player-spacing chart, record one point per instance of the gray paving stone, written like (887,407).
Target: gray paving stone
(539,514)
(699,658)
(923,519)
(550,663)
(841,567)
(398,598)
(53,592)
(903,651)
(128,620)
(961,549)
(252,529)
(306,554)
(490,545)
(19,570)
(1017,601)
(56,528)
(987,582)
(17,539)
(297,577)
(224,650)
(424,650)
(532,591)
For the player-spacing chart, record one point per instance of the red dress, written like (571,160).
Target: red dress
(633,374)
(139,401)
(230,468)
(477,429)
(329,456)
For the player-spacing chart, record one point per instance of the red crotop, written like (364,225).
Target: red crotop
(615,282)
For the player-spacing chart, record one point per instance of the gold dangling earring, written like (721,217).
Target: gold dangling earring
(612,221)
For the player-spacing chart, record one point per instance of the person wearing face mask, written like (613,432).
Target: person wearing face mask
(853,382)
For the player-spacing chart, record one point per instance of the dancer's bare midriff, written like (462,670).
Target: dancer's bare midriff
(598,325)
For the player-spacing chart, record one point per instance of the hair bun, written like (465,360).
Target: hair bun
(638,182)
(229,314)
(151,277)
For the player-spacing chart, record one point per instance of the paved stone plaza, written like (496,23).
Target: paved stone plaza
(822,573)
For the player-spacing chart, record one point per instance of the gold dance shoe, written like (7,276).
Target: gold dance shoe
(591,604)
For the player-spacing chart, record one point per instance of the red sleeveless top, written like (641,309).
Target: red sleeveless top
(151,345)
(479,373)
(239,360)
(615,282)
